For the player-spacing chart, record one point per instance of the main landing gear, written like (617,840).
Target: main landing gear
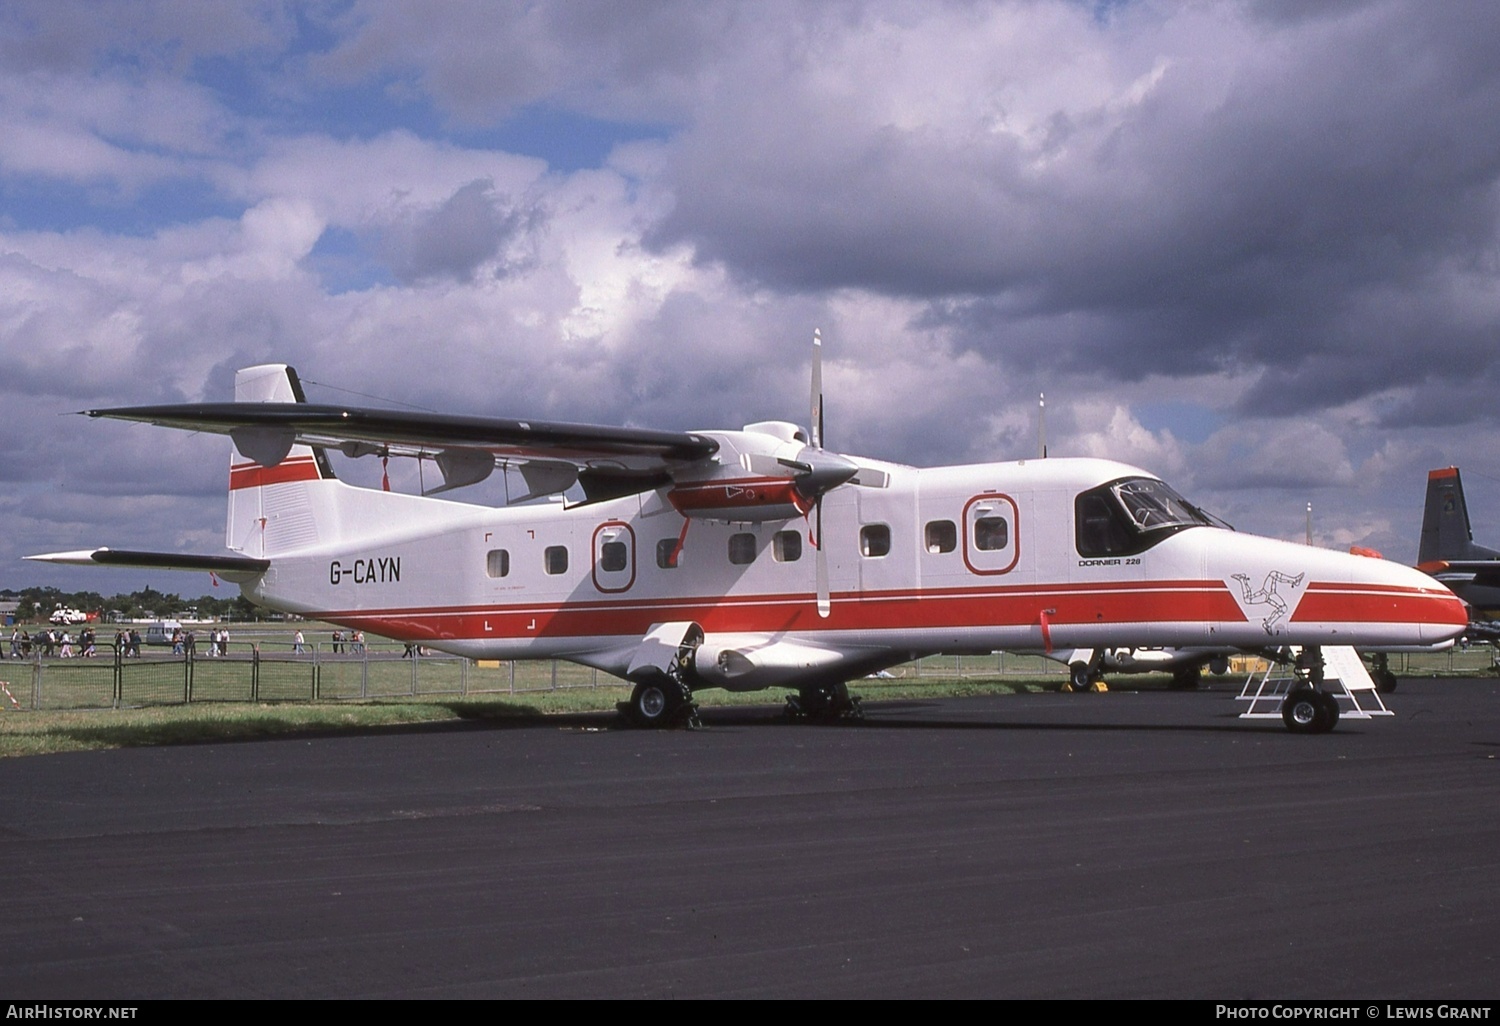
(1187,678)
(663,693)
(824,703)
(1307,708)
(1087,676)
(1385,680)
(662,701)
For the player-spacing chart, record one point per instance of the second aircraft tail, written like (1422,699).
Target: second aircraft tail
(1446,532)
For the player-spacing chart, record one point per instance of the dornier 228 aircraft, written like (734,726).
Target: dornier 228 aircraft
(755,558)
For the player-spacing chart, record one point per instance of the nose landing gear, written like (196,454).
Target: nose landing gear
(1307,708)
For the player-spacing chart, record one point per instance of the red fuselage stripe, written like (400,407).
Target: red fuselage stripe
(1184,602)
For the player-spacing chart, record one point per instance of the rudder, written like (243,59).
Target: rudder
(272,482)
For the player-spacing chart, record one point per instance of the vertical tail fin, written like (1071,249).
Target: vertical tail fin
(1446,533)
(272,483)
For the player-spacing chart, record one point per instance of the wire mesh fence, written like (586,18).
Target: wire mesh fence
(281,671)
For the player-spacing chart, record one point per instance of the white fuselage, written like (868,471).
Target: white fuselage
(952,559)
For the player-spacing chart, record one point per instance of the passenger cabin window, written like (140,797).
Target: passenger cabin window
(555,559)
(742,548)
(667,556)
(497,563)
(874,540)
(613,556)
(991,534)
(941,536)
(786,546)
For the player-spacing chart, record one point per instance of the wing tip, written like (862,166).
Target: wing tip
(75,557)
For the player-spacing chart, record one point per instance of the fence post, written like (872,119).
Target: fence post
(512,678)
(119,683)
(255,671)
(36,682)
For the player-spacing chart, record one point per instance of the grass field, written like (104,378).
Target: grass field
(65,730)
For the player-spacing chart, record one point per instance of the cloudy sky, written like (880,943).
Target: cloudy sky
(1250,246)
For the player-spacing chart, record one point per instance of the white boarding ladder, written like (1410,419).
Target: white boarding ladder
(1344,677)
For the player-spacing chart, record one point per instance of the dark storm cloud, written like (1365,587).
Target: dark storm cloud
(452,240)
(482,61)
(1264,211)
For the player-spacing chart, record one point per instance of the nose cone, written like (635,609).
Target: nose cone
(1300,595)
(1381,595)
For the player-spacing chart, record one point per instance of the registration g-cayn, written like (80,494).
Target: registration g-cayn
(754,558)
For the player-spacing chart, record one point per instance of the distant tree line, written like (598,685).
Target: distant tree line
(36,604)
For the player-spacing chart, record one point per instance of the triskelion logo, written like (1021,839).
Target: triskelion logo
(1276,604)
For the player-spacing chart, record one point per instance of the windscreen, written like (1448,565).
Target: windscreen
(1130,515)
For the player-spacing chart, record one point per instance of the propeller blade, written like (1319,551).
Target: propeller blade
(815,424)
(825,602)
(824,471)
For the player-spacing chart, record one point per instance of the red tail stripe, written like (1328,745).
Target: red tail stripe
(253,475)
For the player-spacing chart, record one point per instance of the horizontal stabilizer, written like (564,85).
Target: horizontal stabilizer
(232,568)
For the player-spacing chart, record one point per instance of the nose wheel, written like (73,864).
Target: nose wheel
(1308,710)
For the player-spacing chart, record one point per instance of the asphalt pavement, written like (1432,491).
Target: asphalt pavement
(1084,846)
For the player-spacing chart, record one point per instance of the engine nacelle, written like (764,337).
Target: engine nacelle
(755,662)
(746,499)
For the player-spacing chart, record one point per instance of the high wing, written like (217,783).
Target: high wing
(606,461)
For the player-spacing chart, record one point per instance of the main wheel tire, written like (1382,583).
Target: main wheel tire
(1187,678)
(1079,676)
(1330,708)
(1302,711)
(653,703)
(1385,681)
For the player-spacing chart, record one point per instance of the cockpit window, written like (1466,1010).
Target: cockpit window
(1131,515)
(1151,504)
